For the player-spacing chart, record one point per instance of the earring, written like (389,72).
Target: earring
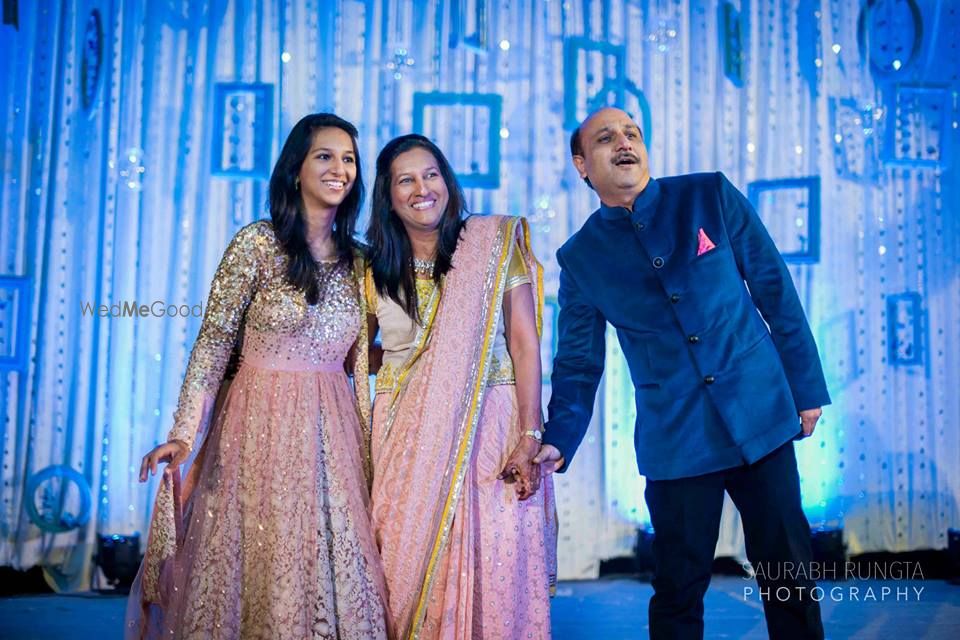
(296,183)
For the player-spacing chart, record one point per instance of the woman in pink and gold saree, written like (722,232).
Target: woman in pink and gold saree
(269,533)
(465,525)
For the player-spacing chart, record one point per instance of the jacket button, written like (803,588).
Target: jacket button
(658,262)
(675,298)
(640,226)
(693,339)
(709,380)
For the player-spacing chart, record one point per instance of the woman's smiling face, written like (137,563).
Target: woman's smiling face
(330,168)
(418,192)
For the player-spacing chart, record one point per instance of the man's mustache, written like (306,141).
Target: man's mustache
(621,157)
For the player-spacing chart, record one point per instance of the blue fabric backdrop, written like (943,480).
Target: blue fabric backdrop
(136,137)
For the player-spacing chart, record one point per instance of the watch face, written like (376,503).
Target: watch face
(92,59)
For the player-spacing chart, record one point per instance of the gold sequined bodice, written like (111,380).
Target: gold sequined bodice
(398,331)
(283,332)
(280,330)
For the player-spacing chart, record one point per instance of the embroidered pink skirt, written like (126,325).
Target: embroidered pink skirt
(278,540)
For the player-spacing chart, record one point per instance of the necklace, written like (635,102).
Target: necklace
(423,267)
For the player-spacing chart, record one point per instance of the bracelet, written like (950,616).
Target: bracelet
(536,434)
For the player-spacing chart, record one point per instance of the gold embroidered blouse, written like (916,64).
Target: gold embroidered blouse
(398,331)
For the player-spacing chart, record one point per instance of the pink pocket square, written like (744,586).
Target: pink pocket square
(705,244)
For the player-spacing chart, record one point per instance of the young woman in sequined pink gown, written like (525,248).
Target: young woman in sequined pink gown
(268,535)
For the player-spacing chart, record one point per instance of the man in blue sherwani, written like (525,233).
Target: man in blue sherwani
(726,371)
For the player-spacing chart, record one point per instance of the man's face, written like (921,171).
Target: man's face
(614,156)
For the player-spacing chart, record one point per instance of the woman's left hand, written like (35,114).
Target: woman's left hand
(521,469)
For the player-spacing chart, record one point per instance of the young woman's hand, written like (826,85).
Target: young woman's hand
(173,453)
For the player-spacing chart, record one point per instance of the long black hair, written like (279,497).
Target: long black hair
(286,204)
(391,255)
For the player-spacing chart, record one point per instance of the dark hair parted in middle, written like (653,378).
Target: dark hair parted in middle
(391,255)
(286,204)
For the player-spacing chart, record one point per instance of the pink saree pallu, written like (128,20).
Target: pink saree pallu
(463,557)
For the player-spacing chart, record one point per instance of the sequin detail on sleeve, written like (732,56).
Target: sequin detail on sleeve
(233,287)
(370,290)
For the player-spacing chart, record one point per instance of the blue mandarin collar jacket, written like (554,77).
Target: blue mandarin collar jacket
(718,347)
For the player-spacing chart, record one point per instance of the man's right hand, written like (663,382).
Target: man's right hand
(174,453)
(808,420)
(550,455)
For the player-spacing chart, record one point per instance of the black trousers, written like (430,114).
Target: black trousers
(685,514)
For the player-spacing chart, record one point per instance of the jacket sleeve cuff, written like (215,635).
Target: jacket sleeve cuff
(811,399)
(563,445)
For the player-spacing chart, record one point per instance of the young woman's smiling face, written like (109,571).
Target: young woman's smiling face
(330,168)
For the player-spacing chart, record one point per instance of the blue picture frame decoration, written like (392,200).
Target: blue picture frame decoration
(615,85)
(855,154)
(889,35)
(493,102)
(243,130)
(50,516)
(619,86)
(20,290)
(646,119)
(837,340)
(810,254)
(731,38)
(460,14)
(918,121)
(905,344)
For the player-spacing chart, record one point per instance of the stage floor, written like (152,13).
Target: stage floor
(596,609)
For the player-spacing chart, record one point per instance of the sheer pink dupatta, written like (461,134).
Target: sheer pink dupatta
(422,450)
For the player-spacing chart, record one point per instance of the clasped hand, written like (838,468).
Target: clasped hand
(525,466)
